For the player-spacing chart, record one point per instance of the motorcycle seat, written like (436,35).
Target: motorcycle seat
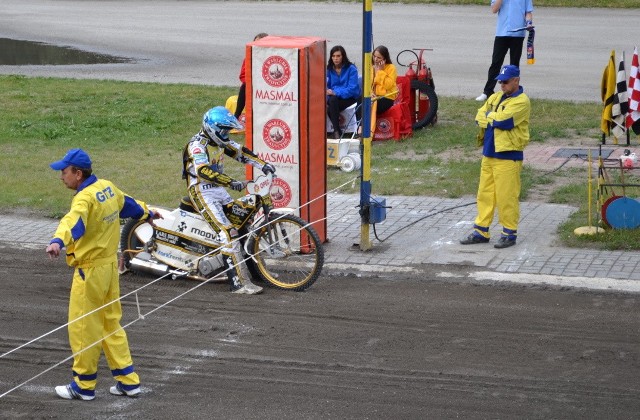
(185,204)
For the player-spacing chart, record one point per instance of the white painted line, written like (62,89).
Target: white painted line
(592,283)
(371,268)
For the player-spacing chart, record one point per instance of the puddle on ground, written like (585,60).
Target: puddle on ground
(15,52)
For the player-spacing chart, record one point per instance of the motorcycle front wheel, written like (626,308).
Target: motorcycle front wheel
(287,254)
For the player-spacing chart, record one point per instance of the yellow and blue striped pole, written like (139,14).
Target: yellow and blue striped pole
(365,146)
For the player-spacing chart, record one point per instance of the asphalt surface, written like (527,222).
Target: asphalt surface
(201,42)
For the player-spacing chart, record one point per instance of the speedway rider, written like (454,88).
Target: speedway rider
(206,182)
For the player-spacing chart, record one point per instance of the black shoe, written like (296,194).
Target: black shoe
(505,242)
(474,238)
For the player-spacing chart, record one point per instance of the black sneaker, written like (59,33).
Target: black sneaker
(505,242)
(474,238)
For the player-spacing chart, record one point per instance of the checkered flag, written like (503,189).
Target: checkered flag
(633,117)
(620,102)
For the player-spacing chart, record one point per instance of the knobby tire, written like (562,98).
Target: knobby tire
(299,255)
(129,240)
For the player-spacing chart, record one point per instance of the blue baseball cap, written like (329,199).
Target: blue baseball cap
(74,157)
(507,72)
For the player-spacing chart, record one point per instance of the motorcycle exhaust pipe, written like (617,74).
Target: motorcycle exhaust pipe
(136,264)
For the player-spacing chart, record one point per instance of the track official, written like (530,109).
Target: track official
(503,135)
(91,232)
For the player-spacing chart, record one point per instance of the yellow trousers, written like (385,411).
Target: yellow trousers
(499,189)
(93,287)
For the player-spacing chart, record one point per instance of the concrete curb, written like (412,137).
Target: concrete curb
(432,238)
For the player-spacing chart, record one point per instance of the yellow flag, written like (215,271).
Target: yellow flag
(374,115)
(608,90)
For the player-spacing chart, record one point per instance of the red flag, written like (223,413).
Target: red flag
(633,92)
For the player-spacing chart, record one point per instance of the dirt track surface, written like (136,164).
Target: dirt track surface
(350,347)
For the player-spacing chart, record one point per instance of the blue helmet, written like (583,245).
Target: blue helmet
(217,122)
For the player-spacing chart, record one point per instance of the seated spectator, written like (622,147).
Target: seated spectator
(383,88)
(343,89)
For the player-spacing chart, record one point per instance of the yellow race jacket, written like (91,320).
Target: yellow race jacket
(91,229)
(506,118)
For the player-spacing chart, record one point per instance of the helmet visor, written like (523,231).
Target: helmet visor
(224,133)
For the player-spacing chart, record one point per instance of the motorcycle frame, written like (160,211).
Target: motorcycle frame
(261,214)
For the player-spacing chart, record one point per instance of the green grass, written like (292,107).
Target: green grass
(611,239)
(135,133)
(416,166)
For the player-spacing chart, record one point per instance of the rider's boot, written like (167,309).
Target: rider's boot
(239,276)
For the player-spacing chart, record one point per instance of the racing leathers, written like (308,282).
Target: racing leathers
(503,135)
(206,185)
(91,233)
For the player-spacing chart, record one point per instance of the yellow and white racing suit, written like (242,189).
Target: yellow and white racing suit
(206,182)
(504,133)
(90,231)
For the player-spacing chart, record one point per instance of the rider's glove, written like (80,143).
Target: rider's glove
(237,185)
(268,169)
(529,24)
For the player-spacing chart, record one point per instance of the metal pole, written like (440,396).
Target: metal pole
(365,145)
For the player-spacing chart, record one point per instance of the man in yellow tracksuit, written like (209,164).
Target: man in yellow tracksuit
(91,232)
(504,133)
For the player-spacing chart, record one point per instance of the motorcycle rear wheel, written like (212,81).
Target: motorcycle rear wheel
(292,260)
(130,244)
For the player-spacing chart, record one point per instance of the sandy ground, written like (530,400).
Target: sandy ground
(350,347)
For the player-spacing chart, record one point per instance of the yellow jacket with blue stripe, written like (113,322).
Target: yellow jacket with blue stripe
(91,229)
(505,120)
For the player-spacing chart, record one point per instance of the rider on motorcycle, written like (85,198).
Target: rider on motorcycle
(206,183)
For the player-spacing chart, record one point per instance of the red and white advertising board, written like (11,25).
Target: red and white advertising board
(285,120)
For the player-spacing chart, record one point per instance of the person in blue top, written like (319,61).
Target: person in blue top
(343,88)
(503,135)
(515,17)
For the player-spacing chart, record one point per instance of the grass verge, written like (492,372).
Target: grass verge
(135,133)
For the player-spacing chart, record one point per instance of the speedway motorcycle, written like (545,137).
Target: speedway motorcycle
(279,248)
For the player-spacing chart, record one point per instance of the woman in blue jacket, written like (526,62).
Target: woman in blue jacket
(343,89)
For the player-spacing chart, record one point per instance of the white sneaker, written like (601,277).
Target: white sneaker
(248,289)
(118,390)
(68,393)
(254,288)
(482,97)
